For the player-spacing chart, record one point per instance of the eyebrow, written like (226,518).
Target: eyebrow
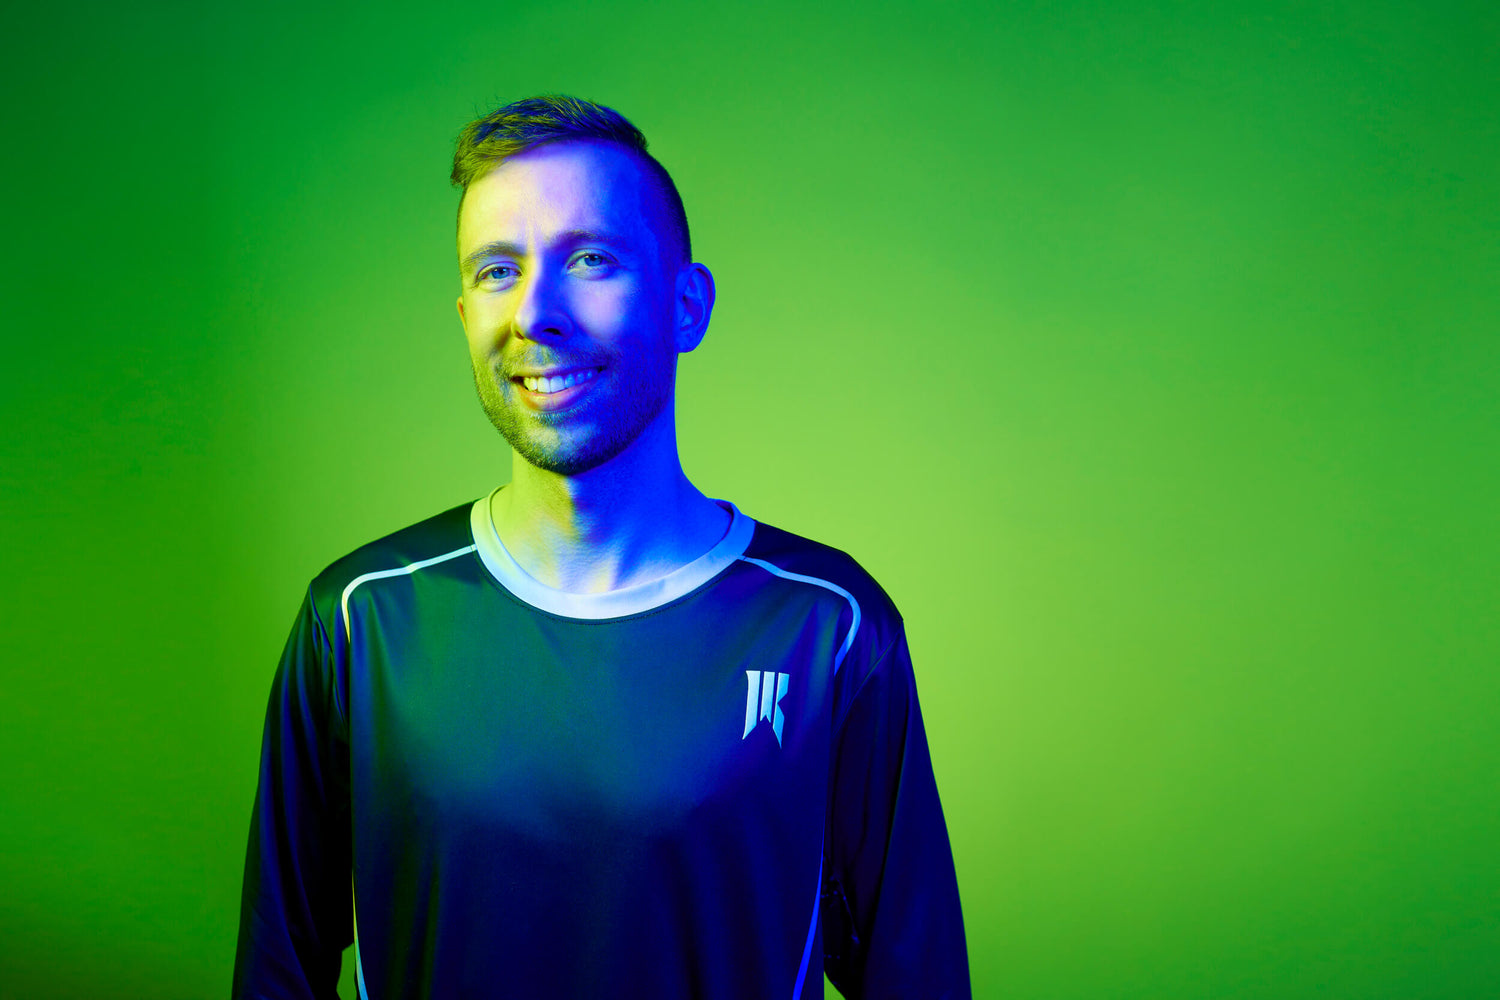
(568,237)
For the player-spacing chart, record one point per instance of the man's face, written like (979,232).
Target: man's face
(563,277)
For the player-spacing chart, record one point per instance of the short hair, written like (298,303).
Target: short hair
(489,141)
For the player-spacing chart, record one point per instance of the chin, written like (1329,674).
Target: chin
(568,462)
(568,457)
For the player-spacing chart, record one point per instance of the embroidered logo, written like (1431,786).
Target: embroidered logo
(766,689)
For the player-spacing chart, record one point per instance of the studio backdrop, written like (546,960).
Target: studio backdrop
(1144,352)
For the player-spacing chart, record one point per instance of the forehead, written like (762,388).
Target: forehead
(554,188)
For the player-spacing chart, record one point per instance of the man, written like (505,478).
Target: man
(595,734)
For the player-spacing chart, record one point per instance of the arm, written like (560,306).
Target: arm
(295,910)
(892,925)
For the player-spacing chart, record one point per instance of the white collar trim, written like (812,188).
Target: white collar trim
(612,603)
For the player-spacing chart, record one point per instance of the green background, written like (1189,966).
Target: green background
(1145,352)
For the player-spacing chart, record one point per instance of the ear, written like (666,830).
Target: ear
(461,320)
(693,305)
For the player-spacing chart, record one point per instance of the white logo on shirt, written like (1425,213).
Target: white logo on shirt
(766,688)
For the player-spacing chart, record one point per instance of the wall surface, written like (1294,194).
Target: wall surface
(1145,352)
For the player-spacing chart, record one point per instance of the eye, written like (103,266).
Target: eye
(496,272)
(591,260)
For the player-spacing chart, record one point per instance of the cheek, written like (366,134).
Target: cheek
(482,321)
(479,347)
(608,309)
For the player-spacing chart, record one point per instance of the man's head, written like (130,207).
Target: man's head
(573,266)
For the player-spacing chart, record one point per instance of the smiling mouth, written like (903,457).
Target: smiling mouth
(546,385)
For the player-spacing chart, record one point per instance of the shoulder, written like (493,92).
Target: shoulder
(429,540)
(876,620)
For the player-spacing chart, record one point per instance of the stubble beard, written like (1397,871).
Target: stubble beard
(563,451)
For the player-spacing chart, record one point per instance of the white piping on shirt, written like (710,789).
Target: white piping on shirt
(811,933)
(359,966)
(853,604)
(398,571)
(812,929)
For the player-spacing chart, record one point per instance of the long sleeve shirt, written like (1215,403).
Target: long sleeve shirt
(713,785)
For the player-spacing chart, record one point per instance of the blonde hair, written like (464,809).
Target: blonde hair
(488,141)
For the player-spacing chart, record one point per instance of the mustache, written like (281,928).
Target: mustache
(514,368)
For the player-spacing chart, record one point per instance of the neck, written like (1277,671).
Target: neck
(633,519)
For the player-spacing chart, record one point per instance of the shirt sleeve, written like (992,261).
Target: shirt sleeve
(295,912)
(892,925)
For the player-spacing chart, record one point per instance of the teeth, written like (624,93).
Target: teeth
(557,383)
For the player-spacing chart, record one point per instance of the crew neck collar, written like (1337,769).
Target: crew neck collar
(612,603)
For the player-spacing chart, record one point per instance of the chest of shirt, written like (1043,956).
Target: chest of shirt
(467,708)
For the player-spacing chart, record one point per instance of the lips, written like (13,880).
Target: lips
(539,399)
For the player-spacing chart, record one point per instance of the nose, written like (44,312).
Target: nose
(542,312)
